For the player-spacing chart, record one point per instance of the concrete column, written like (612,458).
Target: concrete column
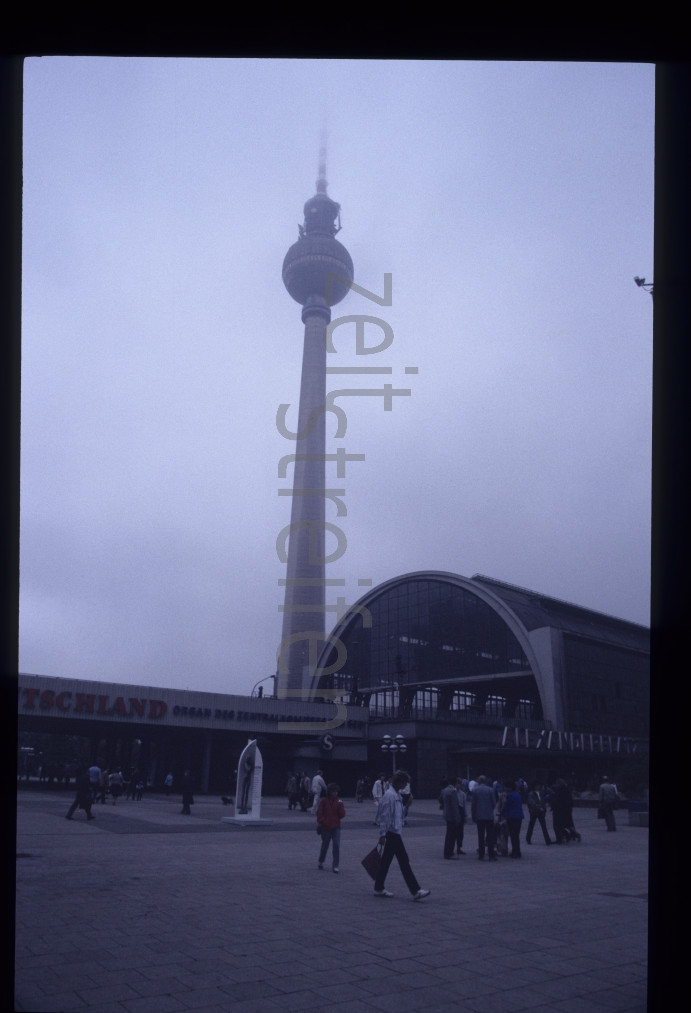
(206,765)
(303,610)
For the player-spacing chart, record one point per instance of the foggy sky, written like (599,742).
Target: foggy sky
(512,203)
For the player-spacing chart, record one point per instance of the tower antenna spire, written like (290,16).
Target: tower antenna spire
(321,181)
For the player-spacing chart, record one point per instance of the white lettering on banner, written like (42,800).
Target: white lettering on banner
(528,738)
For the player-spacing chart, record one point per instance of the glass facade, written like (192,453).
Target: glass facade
(437,646)
(607,687)
(426,631)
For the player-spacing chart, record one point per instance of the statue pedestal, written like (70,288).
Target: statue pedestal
(243,821)
(248,795)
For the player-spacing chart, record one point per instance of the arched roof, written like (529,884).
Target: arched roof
(363,607)
(535,610)
(535,623)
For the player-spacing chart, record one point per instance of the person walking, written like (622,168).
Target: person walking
(452,818)
(187,793)
(390,819)
(318,790)
(609,797)
(103,787)
(94,781)
(407,800)
(562,806)
(116,784)
(83,797)
(292,791)
(482,811)
(305,785)
(537,810)
(378,789)
(330,812)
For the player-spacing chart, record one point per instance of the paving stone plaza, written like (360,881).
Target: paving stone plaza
(144,910)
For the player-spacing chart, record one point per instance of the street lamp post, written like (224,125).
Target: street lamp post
(260,691)
(393,745)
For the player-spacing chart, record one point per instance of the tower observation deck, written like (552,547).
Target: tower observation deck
(317,272)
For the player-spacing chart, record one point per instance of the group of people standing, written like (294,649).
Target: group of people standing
(305,792)
(498,813)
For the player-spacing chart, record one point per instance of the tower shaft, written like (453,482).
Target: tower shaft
(303,610)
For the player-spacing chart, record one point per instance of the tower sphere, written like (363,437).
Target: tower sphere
(317,267)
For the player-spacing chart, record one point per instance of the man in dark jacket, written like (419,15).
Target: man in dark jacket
(537,809)
(82,799)
(187,793)
(452,817)
(482,811)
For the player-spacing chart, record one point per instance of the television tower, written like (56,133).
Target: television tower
(317,271)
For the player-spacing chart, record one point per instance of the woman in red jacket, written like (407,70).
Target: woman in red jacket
(330,812)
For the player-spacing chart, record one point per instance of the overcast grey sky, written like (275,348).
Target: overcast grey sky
(512,203)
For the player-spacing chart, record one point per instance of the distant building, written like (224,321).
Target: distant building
(477,676)
(475,671)
(160,730)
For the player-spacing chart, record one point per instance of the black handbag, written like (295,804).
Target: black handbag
(372,861)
